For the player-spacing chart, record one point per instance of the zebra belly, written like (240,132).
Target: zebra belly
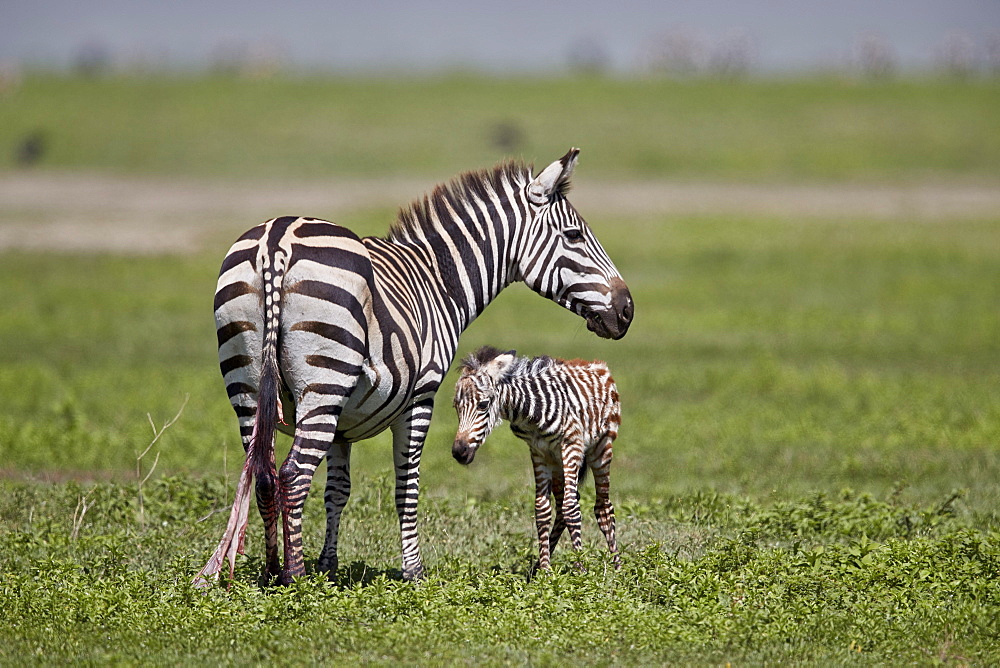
(373,406)
(547,446)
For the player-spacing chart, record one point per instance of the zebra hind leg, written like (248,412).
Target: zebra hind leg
(559,525)
(338,490)
(313,437)
(604,510)
(267,504)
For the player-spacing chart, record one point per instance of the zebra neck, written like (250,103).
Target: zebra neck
(467,236)
(473,263)
(518,398)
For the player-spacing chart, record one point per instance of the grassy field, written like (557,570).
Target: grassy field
(293,128)
(807,469)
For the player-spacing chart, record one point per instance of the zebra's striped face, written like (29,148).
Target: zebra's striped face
(567,264)
(478,412)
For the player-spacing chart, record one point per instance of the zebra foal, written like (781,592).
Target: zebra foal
(566,411)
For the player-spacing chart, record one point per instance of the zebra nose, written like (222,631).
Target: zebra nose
(462,451)
(625,315)
(621,301)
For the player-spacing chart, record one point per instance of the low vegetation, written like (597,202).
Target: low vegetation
(706,578)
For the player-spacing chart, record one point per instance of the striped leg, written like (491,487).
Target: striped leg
(338,490)
(313,437)
(600,463)
(558,491)
(543,508)
(408,434)
(572,462)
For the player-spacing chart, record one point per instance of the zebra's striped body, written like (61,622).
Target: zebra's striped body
(355,335)
(566,411)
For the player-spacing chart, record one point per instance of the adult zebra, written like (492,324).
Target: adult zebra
(351,336)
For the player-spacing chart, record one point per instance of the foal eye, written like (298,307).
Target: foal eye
(483,405)
(573,234)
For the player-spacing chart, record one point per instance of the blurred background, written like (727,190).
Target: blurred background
(685,37)
(803,197)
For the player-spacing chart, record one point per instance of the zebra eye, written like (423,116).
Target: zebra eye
(483,405)
(573,234)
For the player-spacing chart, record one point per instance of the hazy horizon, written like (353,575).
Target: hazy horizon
(517,36)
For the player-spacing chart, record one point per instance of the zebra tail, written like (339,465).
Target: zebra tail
(260,456)
(259,462)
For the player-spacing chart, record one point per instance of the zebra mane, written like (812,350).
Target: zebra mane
(528,366)
(521,366)
(414,221)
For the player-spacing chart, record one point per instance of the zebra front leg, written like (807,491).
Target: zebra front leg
(543,509)
(408,434)
(604,511)
(338,490)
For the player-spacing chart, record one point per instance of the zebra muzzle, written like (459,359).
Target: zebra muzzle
(613,323)
(463,451)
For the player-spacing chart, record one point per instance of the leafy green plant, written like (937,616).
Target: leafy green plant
(119,590)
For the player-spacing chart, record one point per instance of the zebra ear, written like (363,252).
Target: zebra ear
(553,177)
(497,366)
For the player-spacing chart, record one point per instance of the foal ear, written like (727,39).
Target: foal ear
(553,177)
(498,365)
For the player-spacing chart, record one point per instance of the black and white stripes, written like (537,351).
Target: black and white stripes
(567,412)
(362,331)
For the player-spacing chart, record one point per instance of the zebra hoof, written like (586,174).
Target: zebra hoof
(328,566)
(414,573)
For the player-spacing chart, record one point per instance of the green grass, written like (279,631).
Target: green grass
(706,579)
(320,128)
(806,470)
(768,357)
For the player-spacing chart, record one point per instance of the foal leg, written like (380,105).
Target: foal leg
(543,508)
(572,454)
(558,494)
(600,463)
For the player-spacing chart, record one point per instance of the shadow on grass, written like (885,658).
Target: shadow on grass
(360,573)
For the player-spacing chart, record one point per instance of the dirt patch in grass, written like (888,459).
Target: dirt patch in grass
(75,212)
